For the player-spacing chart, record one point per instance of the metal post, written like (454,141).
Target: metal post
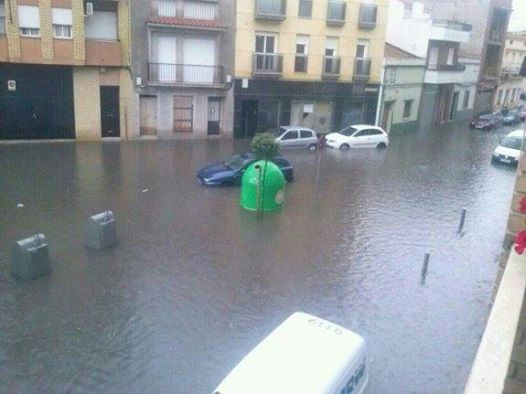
(462,220)
(424,267)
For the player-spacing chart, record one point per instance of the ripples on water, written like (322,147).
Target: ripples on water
(196,282)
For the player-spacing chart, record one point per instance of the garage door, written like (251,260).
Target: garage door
(36,102)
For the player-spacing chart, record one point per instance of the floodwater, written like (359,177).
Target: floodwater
(196,282)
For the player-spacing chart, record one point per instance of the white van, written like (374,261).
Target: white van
(304,355)
(509,149)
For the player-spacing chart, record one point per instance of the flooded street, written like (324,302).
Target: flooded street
(196,282)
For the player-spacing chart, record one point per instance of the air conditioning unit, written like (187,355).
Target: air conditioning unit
(89,9)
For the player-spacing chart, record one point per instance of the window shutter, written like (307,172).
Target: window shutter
(62,16)
(28,17)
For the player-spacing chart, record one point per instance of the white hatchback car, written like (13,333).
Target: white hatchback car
(358,136)
(296,137)
(509,149)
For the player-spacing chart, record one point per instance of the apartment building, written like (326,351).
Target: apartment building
(511,85)
(182,67)
(64,69)
(311,63)
(489,20)
(450,80)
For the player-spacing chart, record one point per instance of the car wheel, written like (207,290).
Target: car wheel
(381,145)
(344,147)
(312,147)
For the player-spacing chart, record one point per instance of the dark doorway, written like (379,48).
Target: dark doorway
(454,106)
(109,111)
(249,118)
(214,115)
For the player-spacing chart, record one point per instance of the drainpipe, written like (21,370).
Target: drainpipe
(380,95)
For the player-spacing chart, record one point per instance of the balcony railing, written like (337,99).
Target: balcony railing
(367,18)
(492,72)
(331,67)
(185,74)
(513,69)
(2,25)
(275,10)
(301,62)
(448,24)
(446,67)
(336,12)
(362,69)
(267,64)
(496,37)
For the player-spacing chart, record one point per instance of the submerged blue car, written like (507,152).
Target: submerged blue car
(231,171)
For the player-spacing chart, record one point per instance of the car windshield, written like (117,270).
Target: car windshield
(279,131)
(348,131)
(236,162)
(511,143)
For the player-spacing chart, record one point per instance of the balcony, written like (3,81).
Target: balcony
(492,72)
(185,74)
(267,64)
(446,67)
(362,69)
(368,14)
(336,12)
(301,63)
(331,67)
(447,30)
(271,10)
(103,53)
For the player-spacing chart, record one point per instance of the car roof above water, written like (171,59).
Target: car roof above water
(516,133)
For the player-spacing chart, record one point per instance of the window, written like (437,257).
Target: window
(362,49)
(507,97)
(363,133)
(62,22)
(29,21)
(451,56)
(408,105)
(466,99)
(291,135)
(305,134)
(499,97)
(513,95)
(305,8)
(102,25)
(265,43)
(390,76)
(331,63)
(302,51)
(2,17)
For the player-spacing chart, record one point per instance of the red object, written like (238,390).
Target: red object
(520,242)
(522,205)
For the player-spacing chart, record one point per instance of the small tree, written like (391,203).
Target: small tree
(264,145)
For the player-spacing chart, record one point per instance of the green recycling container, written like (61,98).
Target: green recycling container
(262,187)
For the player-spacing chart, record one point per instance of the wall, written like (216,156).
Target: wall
(408,85)
(316,27)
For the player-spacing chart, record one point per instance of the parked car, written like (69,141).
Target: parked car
(358,136)
(513,117)
(296,137)
(486,121)
(231,171)
(523,115)
(509,149)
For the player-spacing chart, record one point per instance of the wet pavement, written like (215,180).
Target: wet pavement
(196,282)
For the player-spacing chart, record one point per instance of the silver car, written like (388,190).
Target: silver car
(296,137)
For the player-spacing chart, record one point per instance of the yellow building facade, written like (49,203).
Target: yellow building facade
(68,62)
(315,63)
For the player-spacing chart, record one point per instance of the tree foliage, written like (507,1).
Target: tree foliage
(264,145)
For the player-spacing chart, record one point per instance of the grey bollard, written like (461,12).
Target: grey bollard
(101,231)
(30,258)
